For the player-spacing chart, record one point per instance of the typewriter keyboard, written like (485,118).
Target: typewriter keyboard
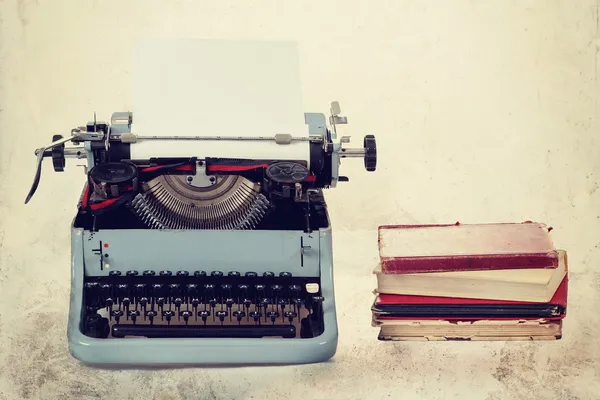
(202,305)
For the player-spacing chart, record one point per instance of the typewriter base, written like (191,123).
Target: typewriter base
(204,351)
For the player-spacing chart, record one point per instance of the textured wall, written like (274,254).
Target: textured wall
(484,111)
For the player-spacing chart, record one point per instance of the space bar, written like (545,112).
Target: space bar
(203,331)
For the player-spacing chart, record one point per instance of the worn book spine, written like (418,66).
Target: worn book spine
(411,265)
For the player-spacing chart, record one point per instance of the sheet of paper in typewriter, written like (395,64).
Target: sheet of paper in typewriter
(190,87)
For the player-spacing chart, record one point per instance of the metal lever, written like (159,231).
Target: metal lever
(40,157)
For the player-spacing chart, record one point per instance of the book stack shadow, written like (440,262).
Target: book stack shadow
(469,282)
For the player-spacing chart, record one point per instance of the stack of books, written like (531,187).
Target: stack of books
(469,282)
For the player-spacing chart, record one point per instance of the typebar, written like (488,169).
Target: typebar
(204,331)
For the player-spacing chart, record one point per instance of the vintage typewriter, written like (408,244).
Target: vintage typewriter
(202,261)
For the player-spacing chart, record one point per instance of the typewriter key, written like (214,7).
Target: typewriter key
(191,289)
(109,302)
(204,314)
(273,315)
(165,273)
(114,273)
(216,273)
(132,273)
(290,315)
(239,315)
(221,315)
(149,273)
(199,274)
(251,274)
(116,314)
(143,302)
(126,301)
(134,314)
(182,273)
(150,314)
(255,315)
(285,274)
(268,274)
(243,288)
(233,274)
(167,315)
(186,315)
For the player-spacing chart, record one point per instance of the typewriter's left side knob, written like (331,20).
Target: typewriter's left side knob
(58,155)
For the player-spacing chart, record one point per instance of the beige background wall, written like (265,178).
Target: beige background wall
(484,111)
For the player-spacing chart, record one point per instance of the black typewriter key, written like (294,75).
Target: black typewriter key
(229,303)
(273,315)
(149,273)
(209,288)
(247,303)
(143,301)
(290,315)
(150,314)
(114,273)
(133,314)
(140,289)
(298,304)
(269,274)
(283,303)
(213,303)
(243,288)
(182,273)
(160,302)
(126,301)
(221,315)
(226,287)
(158,290)
(295,289)
(259,288)
(167,315)
(106,289)
(195,302)
(199,274)
(165,273)
(265,302)
(108,302)
(116,314)
(185,315)
(122,289)
(175,289)
(204,314)
(239,315)
(234,274)
(276,290)
(191,289)
(178,301)
(217,274)
(255,315)
(132,273)
(285,274)
(251,274)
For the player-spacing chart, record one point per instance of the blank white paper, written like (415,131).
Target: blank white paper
(195,87)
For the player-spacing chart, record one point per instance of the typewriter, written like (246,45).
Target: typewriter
(202,261)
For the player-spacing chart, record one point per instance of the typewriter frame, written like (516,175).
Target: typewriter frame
(224,351)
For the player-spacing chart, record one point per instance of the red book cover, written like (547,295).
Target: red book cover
(407,249)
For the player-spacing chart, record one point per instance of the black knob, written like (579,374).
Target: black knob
(370,153)
(58,155)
